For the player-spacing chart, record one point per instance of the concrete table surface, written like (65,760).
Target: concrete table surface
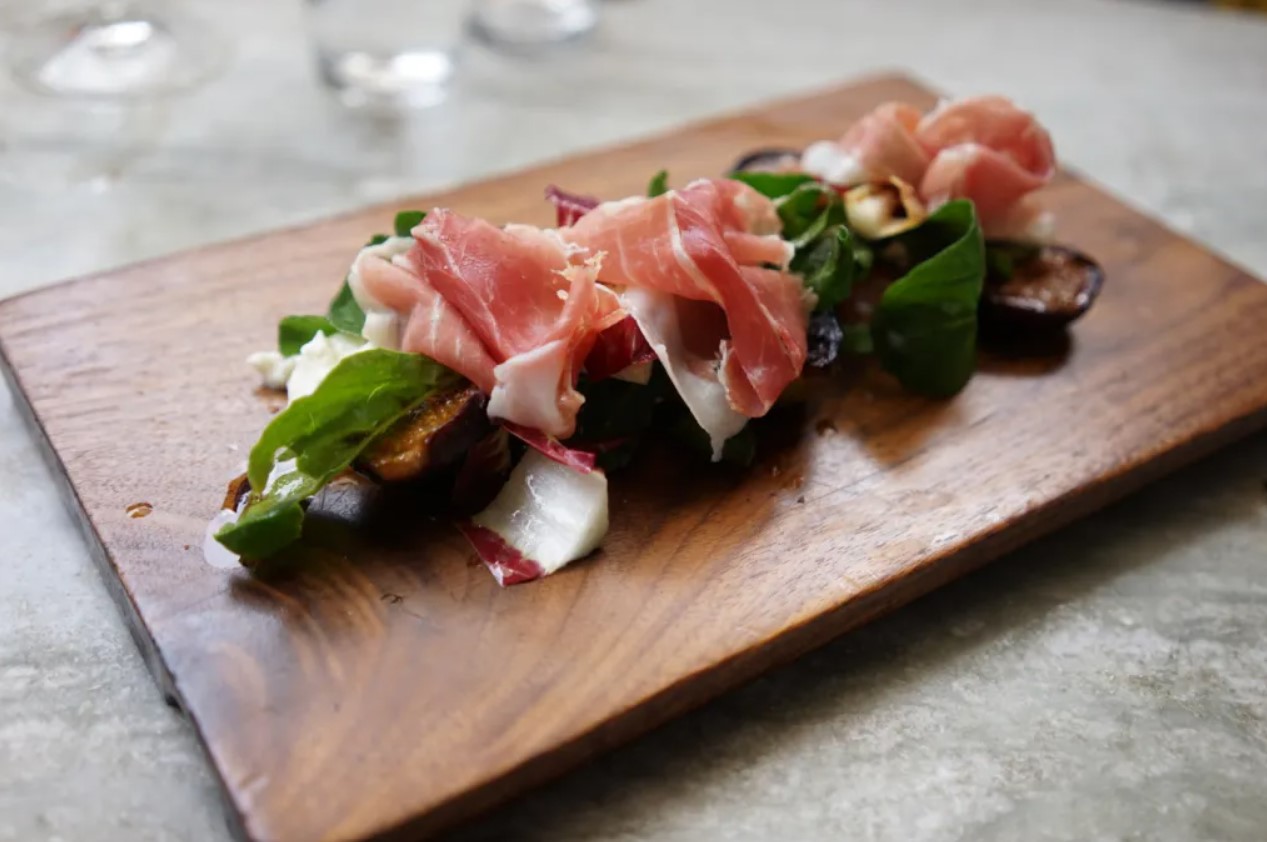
(1107,683)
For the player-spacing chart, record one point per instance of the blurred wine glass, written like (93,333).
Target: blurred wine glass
(387,52)
(114,49)
(528,24)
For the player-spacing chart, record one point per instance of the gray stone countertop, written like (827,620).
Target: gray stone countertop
(1107,683)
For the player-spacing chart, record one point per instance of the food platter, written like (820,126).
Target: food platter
(387,686)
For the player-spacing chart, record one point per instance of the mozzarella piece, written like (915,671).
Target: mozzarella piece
(317,359)
(829,161)
(274,369)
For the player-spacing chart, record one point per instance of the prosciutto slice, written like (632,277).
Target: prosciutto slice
(880,146)
(514,309)
(985,149)
(710,242)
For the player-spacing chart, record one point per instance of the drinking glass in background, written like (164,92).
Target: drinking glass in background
(529,24)
(117,49)
(404,52)
(387,52)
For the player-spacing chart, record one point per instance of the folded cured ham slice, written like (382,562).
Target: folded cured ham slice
(987,150)
(513,309)
(880,146)
(713,241)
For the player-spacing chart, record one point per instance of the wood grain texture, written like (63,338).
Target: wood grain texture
(382,686)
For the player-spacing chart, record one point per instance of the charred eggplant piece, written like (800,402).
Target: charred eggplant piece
(1037,290)
(434,436)
(776,159)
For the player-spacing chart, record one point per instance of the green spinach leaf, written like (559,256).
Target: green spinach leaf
(925,327)
(294,332)
(774,185)
(406,221)
(830,264)
(344,313)
(659,184)
(362,397)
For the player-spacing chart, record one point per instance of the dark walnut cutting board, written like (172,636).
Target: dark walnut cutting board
(385,686)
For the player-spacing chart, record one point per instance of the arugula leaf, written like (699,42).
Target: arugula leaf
(830,264)
(406,221)
(659,184)
(344,313)
(362,397)
(774,185)
(294,332)
(808,211)
(925,327)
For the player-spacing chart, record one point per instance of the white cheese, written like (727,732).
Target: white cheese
(274,369)
(317,359)
(830,162)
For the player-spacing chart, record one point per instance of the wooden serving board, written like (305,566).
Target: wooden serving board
(385,686)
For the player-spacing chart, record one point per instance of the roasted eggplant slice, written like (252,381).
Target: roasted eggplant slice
(769,160)
(434,436)
(1042,290)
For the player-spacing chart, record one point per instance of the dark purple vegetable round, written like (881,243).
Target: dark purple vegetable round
(765,159)
(1044,291)
(825,337)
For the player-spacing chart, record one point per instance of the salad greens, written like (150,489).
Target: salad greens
(318,436)
(344,313)
(294,332)
(925,328)
(659,184)
(773,185)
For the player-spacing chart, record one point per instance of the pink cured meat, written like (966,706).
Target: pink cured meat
(431,322)
(994,122)
(885,145)
(988,150)
(513,309)
(707,243)
(617,348)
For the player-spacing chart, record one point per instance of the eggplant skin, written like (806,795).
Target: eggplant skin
(434,436)
(1045,292)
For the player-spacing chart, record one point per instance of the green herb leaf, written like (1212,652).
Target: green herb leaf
(344,313)
(377,240)
(294,332)
(925,327)
(659,184)
(362,397)
(808,211)
(775,185)
(406,221)
(830,264)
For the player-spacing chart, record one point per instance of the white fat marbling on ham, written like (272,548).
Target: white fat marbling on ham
(660,317)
